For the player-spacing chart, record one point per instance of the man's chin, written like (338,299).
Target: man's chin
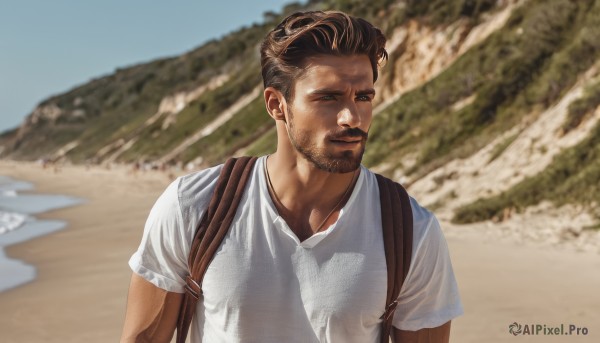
(340,163)
(333,160)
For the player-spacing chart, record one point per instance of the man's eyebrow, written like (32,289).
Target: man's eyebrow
(370,91)
(330,91)
(327,91)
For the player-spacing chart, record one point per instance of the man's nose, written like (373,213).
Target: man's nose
(349,116)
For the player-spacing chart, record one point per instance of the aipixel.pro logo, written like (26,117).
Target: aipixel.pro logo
(516,329)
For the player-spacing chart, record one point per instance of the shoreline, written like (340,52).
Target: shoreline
(20,200)
(81,288)
(21,272)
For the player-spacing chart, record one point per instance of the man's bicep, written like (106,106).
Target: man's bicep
(161,257)
(440,334)
(151,312)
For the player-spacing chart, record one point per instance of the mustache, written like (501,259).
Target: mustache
(348,133)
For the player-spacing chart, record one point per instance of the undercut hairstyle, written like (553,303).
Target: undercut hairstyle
(301,35)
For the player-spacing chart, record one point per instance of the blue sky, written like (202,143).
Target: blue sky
(48,47)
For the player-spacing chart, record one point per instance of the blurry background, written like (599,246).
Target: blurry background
(487,110)
(47,47)
(481,105)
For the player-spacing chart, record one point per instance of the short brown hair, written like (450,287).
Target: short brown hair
(304,34)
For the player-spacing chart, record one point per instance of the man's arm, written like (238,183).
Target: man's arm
(151,313)
(440,334)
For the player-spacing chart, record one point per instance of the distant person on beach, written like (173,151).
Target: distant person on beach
(303,260)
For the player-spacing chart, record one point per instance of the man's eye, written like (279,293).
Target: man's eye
(327,97)
(363,98)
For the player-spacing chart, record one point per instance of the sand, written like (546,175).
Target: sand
(83,276)
(81,288)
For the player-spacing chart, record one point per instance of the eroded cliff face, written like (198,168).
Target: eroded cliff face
(418,52)
(29,135)
(173,104)
(168,109)
(529,148)
(205,113)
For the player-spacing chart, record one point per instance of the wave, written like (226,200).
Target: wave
(10,221)
(17,224)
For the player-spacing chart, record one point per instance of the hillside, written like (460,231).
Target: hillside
(486,109)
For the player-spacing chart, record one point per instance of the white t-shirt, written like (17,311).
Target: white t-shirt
(264,285)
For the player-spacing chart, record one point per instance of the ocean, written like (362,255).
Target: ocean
(18,224)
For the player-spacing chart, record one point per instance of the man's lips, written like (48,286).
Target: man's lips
(352,140)
(353,135)
(349,138)
(346,140)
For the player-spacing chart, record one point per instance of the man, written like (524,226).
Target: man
(303,259)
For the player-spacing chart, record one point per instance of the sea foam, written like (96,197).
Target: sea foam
(17,224)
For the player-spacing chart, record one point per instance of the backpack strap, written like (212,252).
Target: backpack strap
(210,233)
(397,226)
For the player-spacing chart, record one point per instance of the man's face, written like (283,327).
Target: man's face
(331,111)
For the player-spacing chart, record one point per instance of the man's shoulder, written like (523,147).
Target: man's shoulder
(427,232)
(421,215)
(425,224)
(200,178)
(195,189)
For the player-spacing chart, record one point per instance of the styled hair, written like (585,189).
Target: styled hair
(305,34)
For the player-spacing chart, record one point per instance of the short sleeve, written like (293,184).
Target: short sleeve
(429,296)
(161,257)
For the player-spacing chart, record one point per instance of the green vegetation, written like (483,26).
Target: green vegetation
(579,108)
(572,177)
(388,14)
(500,147)
(115,107)
(574,56)
(245,127)
(266,144)
(438,12)
(155,142)
(503,72)
(517,72)
(592,227)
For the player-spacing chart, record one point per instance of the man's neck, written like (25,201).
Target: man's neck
(305,196)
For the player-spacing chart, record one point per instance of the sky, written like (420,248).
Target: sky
(48,47)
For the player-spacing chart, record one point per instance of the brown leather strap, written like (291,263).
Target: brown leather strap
(210,233)
(397,225)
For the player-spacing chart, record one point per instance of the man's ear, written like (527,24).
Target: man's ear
(275,103)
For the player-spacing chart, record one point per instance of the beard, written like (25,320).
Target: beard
(345,161)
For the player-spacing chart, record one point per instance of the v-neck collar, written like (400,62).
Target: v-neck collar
(280,223)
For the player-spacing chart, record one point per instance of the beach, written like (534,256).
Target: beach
(82,273)
(80,291)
